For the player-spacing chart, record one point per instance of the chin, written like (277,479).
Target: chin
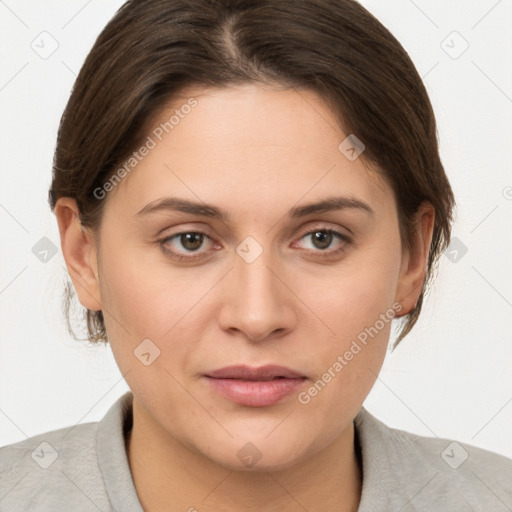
(259,455)
(263,465)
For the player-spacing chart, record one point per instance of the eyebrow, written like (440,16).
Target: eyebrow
(205,210)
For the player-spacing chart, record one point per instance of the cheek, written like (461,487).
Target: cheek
(352,295)
(142,292)
(347,365)
(146,298)
(147,302)
(356,302)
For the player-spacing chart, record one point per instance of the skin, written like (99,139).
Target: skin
(255,152)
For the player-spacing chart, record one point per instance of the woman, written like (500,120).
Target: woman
(247,194)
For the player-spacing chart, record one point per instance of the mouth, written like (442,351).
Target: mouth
(255,387)
(263,373)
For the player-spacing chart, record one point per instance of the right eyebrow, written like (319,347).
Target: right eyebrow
(185,206)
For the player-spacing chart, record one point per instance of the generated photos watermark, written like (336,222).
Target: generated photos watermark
(355,348)
(151,143)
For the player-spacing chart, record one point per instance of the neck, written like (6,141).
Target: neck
(167,472)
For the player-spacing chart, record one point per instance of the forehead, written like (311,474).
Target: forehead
(245,144)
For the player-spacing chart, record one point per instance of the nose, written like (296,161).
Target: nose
(257,301)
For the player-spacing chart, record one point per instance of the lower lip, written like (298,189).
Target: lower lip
(256,393)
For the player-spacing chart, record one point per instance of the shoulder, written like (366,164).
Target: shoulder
(438,473)
(53,469)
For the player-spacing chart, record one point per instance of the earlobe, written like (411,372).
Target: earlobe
(414,264)
(80,253)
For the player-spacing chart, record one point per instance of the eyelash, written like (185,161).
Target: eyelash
(322,253)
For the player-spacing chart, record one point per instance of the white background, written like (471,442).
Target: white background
(449,378)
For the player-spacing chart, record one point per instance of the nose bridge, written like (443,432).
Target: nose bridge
(258,282)
(257,304)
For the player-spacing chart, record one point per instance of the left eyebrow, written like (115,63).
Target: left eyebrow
(331,204)
(205,210)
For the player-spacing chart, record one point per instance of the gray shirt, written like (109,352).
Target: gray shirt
(85,468)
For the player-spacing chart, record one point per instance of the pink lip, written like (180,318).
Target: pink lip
(255,387)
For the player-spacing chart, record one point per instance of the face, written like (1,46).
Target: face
(241,270)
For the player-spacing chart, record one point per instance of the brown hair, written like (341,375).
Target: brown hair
(153,49)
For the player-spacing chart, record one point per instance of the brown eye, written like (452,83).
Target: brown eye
(186,245)
(321,239)
(325,243)
(191,241)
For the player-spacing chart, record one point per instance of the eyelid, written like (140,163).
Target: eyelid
(326,226)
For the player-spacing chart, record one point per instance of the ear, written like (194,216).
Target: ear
(79,249)
(414,262)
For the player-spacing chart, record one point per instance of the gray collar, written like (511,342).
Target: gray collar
(112,457)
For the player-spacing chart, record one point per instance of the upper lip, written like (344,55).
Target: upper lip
(243,372)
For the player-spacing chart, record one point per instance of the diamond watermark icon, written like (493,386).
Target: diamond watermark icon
(44,250)
(146,352)
(352,147)
(456,250)
(249,250)
(45,455)
(45,45)
(249,454)
(454,455)
(454,45)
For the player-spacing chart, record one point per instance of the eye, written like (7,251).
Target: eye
(178,245)
(322,239)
